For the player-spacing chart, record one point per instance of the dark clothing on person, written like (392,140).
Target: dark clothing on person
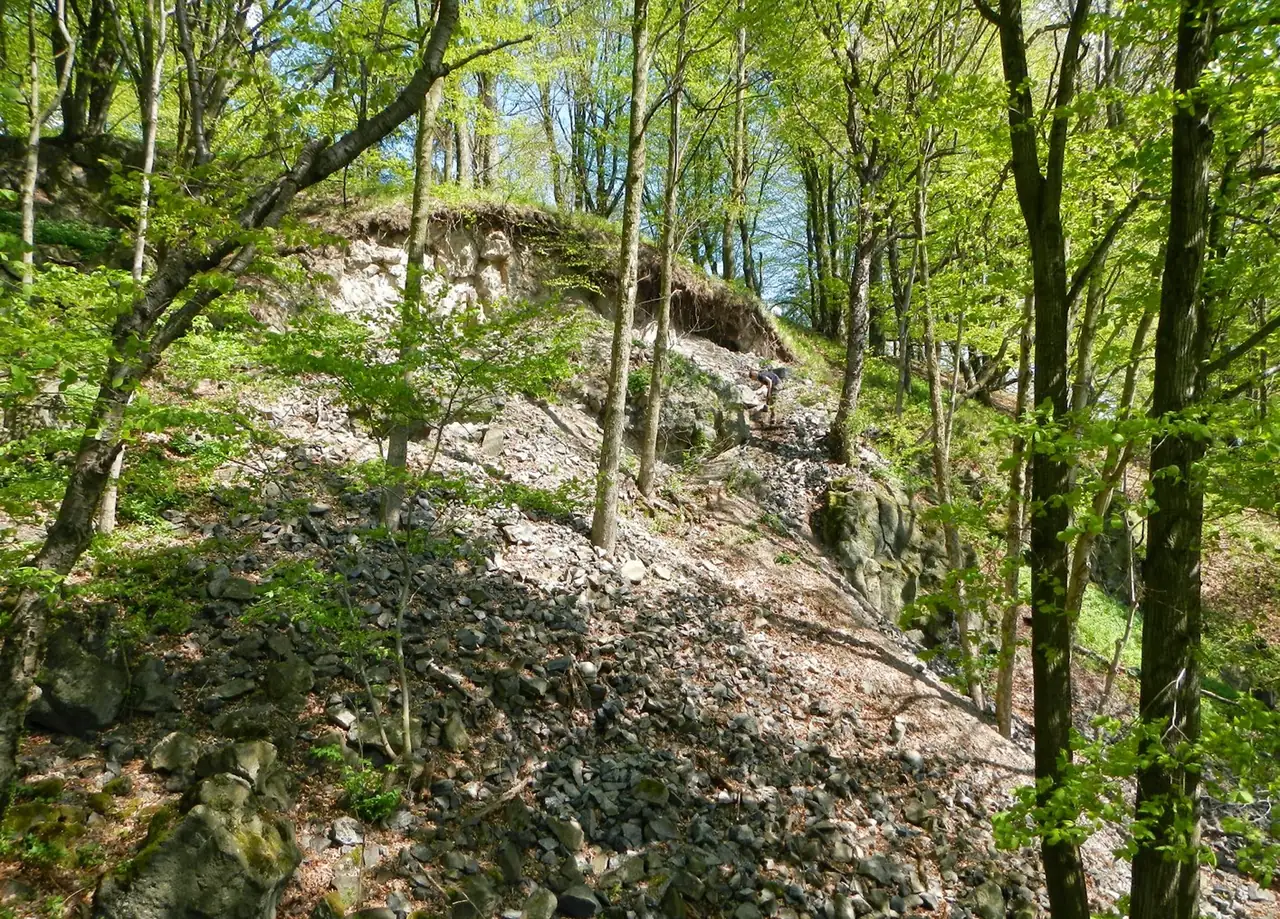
(773,378)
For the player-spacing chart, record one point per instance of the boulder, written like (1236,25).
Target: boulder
(889,550)
(177,754)
(83,685)
(289,681)
(227,857)
(578,902)
(988,900)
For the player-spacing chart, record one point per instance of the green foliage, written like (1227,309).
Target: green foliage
(1101,624)
(367,792)
(300,591)
(638,384)
(151,589)
(434,367)
(88,239)
(558,502)
(1238,754)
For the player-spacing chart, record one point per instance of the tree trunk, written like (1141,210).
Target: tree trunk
(547,112)
(466,153)
(31,161)
(411,303)
(487,133)
(855,348)
(941,451)
(1040,201)
(1166,876)
(1015,526)
(738,159)
(149,78)
(604,523)
(661,345)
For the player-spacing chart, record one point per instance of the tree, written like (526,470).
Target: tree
(1040,199)
(37,117)
(670,189)
(140,337)
(415,272)
(144,59)
(1166,871)
(604,523)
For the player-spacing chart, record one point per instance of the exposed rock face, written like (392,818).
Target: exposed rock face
(227,858)
(83,684)
(891,554)
(483,254)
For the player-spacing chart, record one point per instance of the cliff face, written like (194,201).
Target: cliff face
(484,253)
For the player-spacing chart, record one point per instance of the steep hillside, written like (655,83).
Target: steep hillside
(715,721)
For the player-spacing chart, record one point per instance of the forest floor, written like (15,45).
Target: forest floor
(712,722)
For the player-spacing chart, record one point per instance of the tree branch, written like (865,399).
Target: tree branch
(1231,355)
(1099,253)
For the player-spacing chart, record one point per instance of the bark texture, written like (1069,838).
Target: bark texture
(1166,876)
(604,523)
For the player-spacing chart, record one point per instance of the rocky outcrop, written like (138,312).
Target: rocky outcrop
(228,857)
(83,684)
(483,253)
(889,550)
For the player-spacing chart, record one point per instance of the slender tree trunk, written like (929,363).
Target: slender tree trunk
(31,163)
(661,344)
(546,110)
(466,153)
(738,159)
(855,347)
(902,283)
(411,303)
(196,101)
(487,135)
(149,100)
(941,428)
(1015,530)
(1166,876)
(1131,599)
(1039,193)
(604,524)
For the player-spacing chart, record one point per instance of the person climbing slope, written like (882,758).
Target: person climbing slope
(770,381)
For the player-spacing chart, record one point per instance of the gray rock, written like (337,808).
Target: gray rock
(569,832)
(520,534)
(988,900)
(152,692)
(510,863)
(455,735)
(231,588)
(234,689)
(651,791)
(176,753)
(491,445)
(632,570)
(289,681)
(476,899)
(915,812)
(224,858)
(247,759)
(540,905)
(346,831)
(879,868)
(578,902)
(83,685)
